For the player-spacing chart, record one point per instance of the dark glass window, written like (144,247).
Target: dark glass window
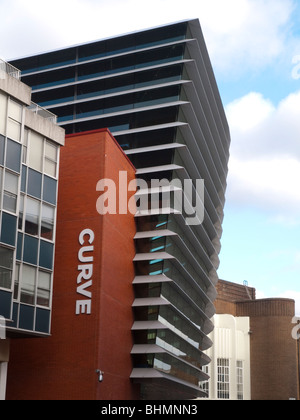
(30,250)
(20,246)
(23,179)
(8,229)
(146,139)
(26,317)
(159,158)
(120,103)
(34,183)
(5,304)
(51,78)
(21,213)
(46,255)
(13,155)
(55,96)
(131,121)
(49,193)
(6,266)
(42,323)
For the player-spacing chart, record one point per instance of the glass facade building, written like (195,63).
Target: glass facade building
(29,159)
(156,92)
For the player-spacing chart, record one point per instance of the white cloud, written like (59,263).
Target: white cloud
(264,169)
(248,112)
(271,183)
(246,34)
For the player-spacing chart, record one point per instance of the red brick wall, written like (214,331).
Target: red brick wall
(230,293)
(273,350)
(64,365)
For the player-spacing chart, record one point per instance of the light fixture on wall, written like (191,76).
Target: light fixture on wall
(100,375)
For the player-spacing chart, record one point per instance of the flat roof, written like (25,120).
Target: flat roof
(107,38)
(102,130)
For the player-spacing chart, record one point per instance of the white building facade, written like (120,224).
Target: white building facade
(229,369)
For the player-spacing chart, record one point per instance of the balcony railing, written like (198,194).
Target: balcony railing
(10,70)
(43,112)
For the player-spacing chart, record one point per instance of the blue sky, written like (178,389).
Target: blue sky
(255,51)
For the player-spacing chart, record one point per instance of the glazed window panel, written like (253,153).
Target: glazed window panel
(10,192)
(13,156)
(50,167)
(30,251)
(47,225)
(8,229)
(6,267)
(28,284)
(51,151)
(32,217)
(21,213)
(43,290)
(46,255)
(14,120)
(13,130)
(19,246)
(15,111)
(36,150)
(24,179)
(34,187)
(240,379)
(223,384)
(17,282)
(49,193)
(25,145)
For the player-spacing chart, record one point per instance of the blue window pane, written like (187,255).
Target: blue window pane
(20,246)
(13,155)
(46,255)
(5,304)
(49,193)
(23,179)
(42,323)
(30,250)
(34,183)
(8,229)
(26,317)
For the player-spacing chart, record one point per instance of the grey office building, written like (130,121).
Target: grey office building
(156,92)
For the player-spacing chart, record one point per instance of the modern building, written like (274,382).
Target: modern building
(254,354)
(156,92)
(92,294)
(229,370)
(29,159)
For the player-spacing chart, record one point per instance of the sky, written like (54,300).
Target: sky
(254,47)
